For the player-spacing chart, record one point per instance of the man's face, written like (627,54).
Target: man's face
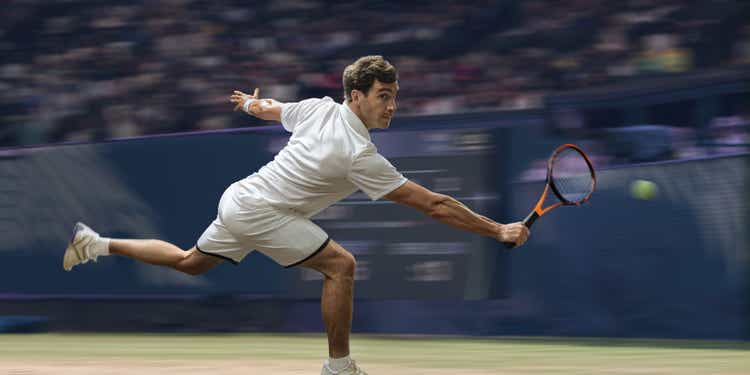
(378,105)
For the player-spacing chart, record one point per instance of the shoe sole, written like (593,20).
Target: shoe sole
(70,257)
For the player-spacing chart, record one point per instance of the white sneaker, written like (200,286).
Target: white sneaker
(80,248)
(353,369)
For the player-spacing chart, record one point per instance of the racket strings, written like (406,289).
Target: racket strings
(572,176)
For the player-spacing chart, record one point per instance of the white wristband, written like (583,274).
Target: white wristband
(248,103)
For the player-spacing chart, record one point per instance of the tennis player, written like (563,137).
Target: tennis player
(328,157)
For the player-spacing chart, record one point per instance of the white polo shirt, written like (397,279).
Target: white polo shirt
(328,157)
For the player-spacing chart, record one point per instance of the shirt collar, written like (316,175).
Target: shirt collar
(354,121)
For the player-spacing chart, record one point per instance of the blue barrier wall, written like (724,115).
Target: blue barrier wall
(675,266)
(166,187)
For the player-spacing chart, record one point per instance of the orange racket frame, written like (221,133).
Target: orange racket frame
(538,210)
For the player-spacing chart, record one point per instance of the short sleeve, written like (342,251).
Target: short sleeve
(294,113)
(374,174)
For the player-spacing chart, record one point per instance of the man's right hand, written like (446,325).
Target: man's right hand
(516,233)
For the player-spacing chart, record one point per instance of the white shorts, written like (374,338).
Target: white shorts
(242,226)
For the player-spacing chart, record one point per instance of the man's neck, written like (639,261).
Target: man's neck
(357,112)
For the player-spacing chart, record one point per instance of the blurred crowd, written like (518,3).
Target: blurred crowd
(81,70)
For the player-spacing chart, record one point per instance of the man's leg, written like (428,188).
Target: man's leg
(162,253)
(337,266)
(87,245)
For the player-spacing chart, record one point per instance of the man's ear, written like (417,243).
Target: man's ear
(356,95)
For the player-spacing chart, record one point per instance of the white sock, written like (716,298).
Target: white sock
(100,247)
(338,364)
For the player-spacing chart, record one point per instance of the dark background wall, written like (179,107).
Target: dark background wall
(673,266)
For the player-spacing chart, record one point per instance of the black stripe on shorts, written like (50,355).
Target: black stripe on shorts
(217,255)
(323,246)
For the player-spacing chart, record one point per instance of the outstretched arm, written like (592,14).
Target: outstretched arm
(264,109)
(452,212)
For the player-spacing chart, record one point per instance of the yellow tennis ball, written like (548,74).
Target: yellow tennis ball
(643,189)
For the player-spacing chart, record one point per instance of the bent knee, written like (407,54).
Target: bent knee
(346,265)
(192,269)
(333,262)
(196,263)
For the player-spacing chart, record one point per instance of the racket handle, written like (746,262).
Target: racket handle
(528,222)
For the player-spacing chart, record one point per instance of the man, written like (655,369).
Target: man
(328,157)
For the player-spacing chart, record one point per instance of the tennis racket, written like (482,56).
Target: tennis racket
(570,177)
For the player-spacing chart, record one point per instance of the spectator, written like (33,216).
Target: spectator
(83,71)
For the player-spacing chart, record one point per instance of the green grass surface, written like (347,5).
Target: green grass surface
(501,356)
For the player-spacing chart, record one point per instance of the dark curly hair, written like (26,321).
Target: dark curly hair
(362,74)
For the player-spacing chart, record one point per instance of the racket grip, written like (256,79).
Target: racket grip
(528,222)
